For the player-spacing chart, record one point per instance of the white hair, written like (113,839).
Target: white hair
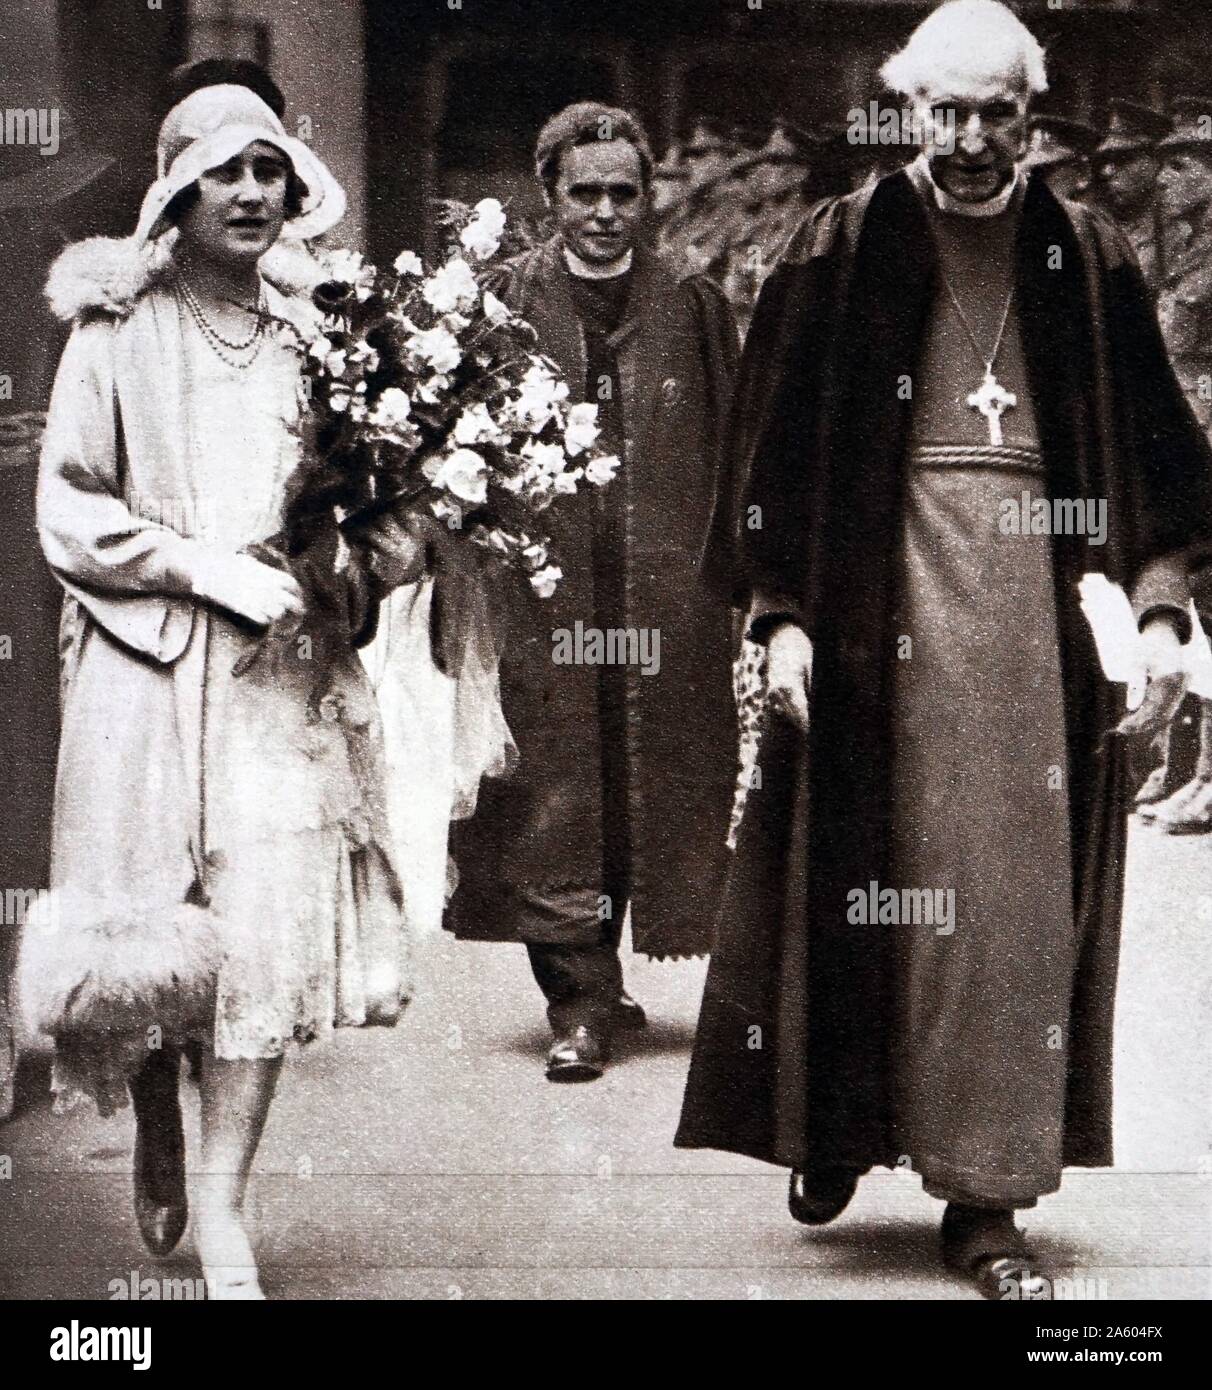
(967,42)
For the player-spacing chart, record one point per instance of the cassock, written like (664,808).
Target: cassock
(622,789)
(958,744)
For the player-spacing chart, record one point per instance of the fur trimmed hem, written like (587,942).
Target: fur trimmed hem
(91,967)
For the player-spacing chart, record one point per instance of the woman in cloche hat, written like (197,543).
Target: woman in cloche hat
(221,862)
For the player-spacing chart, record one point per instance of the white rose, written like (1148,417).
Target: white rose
(481,237)
(465,474)
(392,408)
(479,241)
(438,347)
(408,263)
(476,426)
(602,469)
(544,581)
(581,429)
(451,287)
(548,459)
(539,393)
(491,212)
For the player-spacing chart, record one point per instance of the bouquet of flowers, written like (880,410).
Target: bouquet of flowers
(426,398)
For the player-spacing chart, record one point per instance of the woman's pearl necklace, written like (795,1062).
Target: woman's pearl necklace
(219,345)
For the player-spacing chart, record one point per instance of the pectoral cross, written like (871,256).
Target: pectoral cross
(991,400)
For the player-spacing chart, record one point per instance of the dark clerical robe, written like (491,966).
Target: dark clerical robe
(30,599)
(615,764)
(865,502)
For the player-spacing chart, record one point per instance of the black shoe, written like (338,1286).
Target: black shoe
(1009,1278)
(161,1203)
(579,1056)
(987,1247)
(629,1013)
(815,1198)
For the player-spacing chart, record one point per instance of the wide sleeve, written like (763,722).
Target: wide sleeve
(133,575)
(756,539)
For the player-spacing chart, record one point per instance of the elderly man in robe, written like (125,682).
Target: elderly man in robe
(916,956)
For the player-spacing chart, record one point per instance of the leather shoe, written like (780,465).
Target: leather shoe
(629,1013)
(986,1246)
(579,1056)
(1010,1277)
(819,1196)
(161,1202)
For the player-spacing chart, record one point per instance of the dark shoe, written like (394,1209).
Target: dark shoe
(818,1197)
(985,1245)
(161,1203)
(629,1013)
(1010,1278)
(579,1056)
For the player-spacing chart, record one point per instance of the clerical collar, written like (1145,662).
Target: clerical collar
(583,270)
(923,181)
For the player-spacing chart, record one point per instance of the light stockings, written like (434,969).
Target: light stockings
(235,1103)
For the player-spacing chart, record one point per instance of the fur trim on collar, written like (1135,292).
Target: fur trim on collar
(107,275)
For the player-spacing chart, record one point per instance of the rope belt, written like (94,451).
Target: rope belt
(1015,456)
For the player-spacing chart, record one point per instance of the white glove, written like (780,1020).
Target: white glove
(246,587)
(789,673)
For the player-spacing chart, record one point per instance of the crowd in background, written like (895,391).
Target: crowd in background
(727,201)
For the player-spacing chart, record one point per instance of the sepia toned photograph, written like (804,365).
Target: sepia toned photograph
(605,665)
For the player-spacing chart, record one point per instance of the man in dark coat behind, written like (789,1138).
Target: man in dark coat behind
(917,951)
(41,200)
(618,688)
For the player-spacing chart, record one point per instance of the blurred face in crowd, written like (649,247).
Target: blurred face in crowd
(1184,185)
(989,121)
(705,166)
(1128,181)
(240,208)
(667,193)
(600,200)
(1069,179)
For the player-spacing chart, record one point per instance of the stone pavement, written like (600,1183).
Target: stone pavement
(434,1160)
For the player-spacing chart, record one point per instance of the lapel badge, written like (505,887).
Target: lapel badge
(671,391)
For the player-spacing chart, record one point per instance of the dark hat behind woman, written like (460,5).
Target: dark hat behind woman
(222,72)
